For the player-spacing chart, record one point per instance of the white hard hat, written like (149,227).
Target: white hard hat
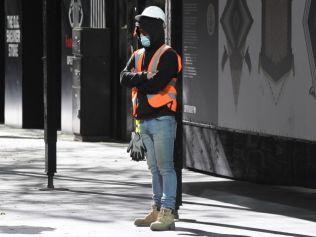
(153,12)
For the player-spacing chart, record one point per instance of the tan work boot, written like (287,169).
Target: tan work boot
(165,220)
(148,219)
(176,215)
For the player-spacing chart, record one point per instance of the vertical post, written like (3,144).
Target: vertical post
(176,43)
(114,25)
(168,22)
(116,32)
(51,67)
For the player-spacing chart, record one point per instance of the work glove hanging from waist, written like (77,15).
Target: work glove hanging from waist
(136,147)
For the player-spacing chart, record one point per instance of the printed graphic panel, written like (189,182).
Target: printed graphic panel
(236,22)
(265,79)
(309,24)
(13,63)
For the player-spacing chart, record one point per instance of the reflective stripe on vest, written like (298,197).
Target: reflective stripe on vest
(168,95)
(139,55)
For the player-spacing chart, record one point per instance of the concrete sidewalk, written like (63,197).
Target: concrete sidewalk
(106,191)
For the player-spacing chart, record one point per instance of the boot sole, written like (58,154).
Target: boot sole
(170,227)
(142,225)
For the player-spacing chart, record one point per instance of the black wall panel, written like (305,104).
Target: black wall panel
(23,64)
(125,112)
(248,157)
(91,84)
(200,64)
(32,67)
(127,44)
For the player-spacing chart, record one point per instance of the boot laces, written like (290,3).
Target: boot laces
(151,212)
(162,213)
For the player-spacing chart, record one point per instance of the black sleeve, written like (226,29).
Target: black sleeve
(167,69)
(129,78)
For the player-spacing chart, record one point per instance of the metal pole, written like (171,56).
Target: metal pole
(176,43)
(51,67)
(114,25)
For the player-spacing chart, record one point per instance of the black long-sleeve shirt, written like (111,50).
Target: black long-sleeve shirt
(167,69)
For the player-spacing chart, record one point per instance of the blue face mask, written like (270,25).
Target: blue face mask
(145,40)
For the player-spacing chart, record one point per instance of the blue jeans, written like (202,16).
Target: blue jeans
(158,136)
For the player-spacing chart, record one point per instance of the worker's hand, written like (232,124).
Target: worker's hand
(151,75)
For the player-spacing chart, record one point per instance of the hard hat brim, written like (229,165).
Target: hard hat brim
(137,17)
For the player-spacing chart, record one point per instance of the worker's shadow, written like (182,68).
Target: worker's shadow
(197,232)
(272,199)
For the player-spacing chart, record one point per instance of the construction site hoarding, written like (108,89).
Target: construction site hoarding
(250,66)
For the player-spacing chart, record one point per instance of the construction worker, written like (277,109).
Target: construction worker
(152,73)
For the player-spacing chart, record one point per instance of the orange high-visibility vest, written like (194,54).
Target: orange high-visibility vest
(168,96)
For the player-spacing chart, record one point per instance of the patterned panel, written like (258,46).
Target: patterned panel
(262,159)
(236,22)
(309,23)
(75,13)
(276,57)
(97,14)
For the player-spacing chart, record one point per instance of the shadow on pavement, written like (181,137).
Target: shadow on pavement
(276,199)
(20,137)
(203,233)
(24,229)
(137,197)
(197,232)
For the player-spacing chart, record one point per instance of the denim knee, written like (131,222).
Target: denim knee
(165,169)
(153,169)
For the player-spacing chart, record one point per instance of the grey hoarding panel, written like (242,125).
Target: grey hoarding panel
(200,61)
(2,61)
(310,36)
(272,90)
(75,13)
(13,63)
(23,64)
(266,85)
